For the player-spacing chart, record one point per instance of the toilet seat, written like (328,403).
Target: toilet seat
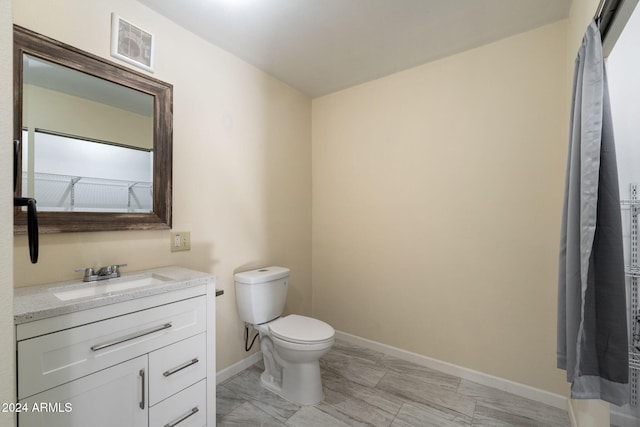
(301,330)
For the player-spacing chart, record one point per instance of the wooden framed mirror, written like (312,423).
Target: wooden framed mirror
(96,140)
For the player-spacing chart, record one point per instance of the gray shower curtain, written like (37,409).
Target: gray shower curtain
(592,323)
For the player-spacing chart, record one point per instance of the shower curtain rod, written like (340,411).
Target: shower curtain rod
(606,12)
(599,9)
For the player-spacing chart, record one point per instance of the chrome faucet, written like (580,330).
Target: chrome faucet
(107,272)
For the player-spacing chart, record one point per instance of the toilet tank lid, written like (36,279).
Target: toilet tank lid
(261,275)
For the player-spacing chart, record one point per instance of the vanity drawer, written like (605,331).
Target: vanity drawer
(50,360)
(176,367)
(185,409)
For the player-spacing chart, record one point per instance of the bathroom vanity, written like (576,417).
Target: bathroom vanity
(134,351)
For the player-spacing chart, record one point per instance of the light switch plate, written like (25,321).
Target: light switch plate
(180,241)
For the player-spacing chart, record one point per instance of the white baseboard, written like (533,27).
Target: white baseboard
(572,415)
(518,389)
(236,368)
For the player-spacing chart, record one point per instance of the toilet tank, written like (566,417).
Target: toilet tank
(261,293)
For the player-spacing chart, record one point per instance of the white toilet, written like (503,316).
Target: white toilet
(291,345)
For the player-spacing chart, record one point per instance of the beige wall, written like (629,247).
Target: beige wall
(7,349)
(437,196)
(242,166)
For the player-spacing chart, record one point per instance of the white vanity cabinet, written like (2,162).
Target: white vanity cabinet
(142,362)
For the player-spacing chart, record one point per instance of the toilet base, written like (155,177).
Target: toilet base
(301,384)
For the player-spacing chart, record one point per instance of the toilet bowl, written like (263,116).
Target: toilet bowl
(291,345)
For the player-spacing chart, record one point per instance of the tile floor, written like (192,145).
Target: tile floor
(363,387)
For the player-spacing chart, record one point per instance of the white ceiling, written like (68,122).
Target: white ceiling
(320,46)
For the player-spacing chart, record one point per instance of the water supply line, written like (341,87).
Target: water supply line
(248,346)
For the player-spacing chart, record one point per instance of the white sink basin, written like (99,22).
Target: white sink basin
(98,288)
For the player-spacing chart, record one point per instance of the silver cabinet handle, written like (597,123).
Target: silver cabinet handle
(193,411)
(180,368)
(143,387)
(130,337)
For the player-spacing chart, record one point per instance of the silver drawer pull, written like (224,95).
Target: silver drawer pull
(180,368)
(143,389)
(130,337)
(182,418)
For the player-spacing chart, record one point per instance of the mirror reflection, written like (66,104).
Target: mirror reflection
(87,142)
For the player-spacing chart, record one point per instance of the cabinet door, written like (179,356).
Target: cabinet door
(116,396)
